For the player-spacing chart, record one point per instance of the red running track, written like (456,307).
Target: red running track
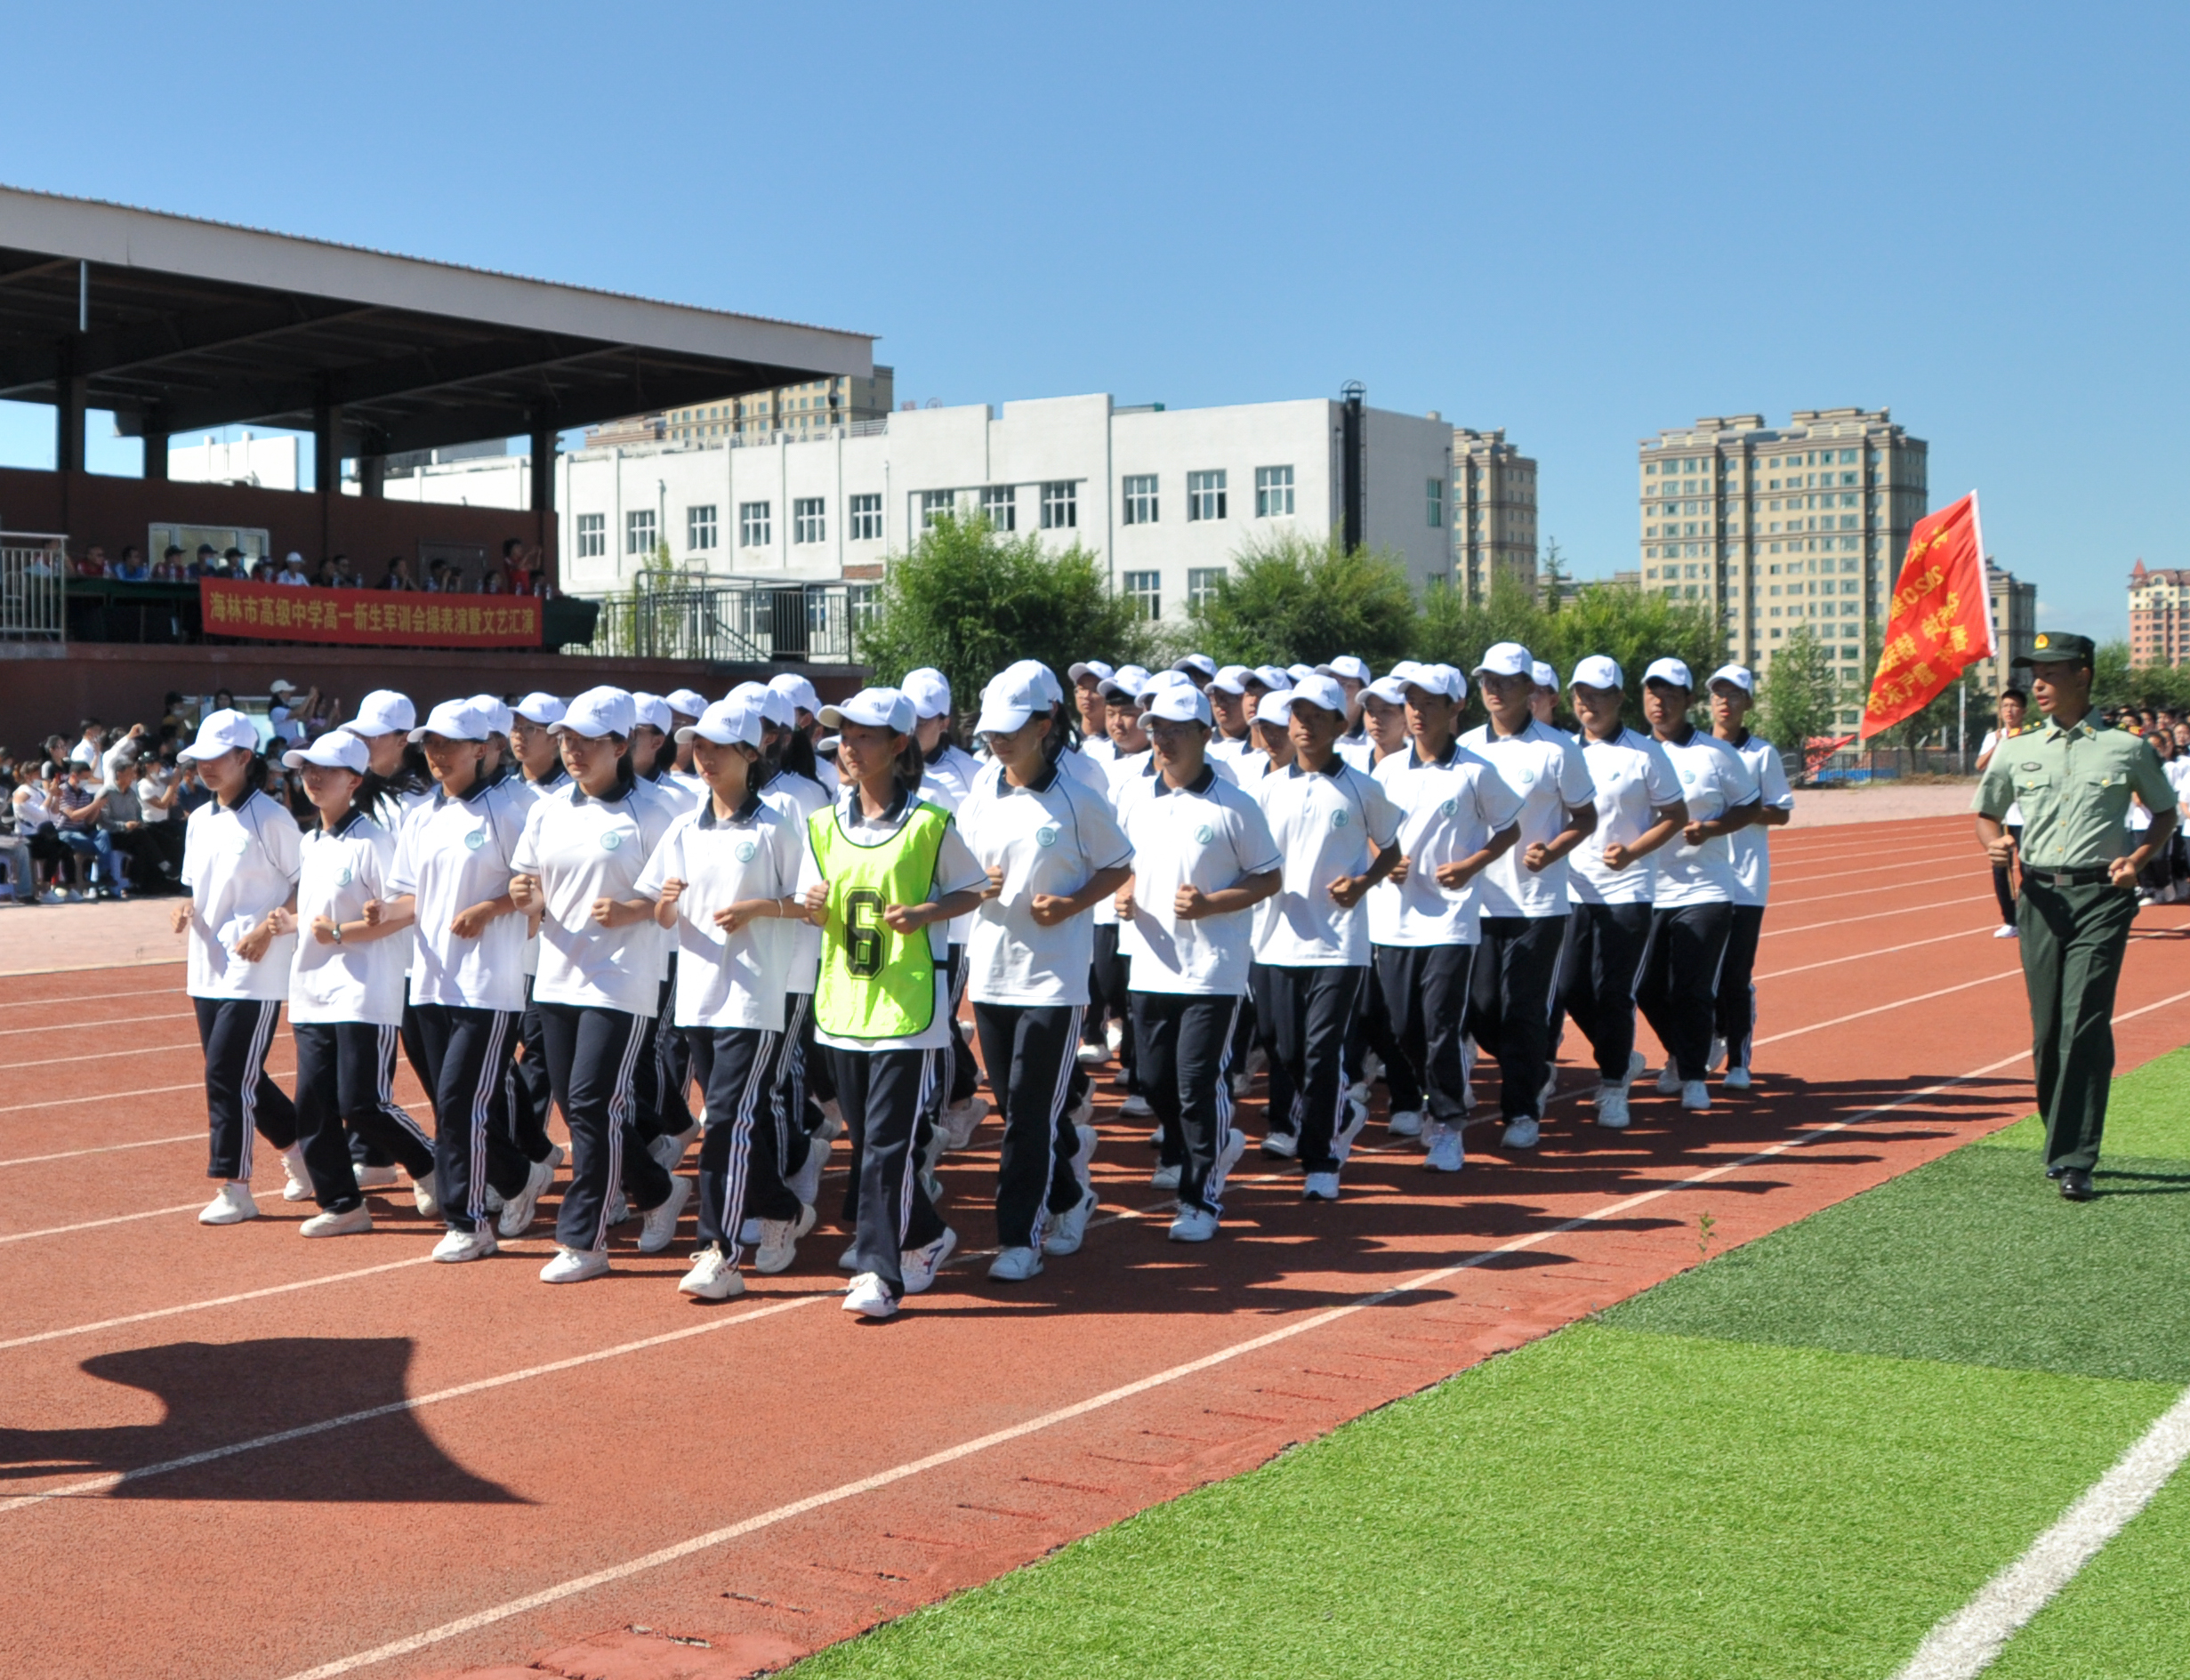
(230,1453)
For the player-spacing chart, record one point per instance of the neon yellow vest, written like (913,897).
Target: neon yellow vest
(876,983)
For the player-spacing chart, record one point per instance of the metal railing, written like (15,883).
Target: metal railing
(735,620)
(34,581)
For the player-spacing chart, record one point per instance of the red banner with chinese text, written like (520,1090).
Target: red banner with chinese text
(366,617)
(1942,617)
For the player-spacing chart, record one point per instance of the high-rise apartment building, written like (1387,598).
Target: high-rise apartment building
(758,416)
(2158,616)
(1493,510)
(2015,626)
(1773,527)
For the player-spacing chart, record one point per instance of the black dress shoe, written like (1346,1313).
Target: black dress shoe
(2055,1173)
(2076,1186)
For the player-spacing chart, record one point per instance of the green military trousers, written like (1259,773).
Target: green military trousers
(2072,938)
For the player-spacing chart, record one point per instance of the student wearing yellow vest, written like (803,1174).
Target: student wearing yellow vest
(884,871)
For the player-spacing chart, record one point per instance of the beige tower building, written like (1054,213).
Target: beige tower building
(1773,527)
(796,410)
(1493,510)
(2015,627)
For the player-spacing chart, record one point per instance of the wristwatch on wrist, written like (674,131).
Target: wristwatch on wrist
(338,933)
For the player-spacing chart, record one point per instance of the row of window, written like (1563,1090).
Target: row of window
(1208,496)
(756,526)
(1811,458)
(1145,590)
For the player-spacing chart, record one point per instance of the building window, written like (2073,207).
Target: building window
(864,601)
(807,523)
(1060,506)
(1145,590)
(753,526)
(1202,583)
(866,519)
(592,535)
(1436,502)
(1141,507)
(935,504)
(1205,496)
(1272,492)
(1000,505)
(699,526)
(638,532)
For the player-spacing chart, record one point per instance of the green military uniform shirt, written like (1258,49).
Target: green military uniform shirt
(2074,786)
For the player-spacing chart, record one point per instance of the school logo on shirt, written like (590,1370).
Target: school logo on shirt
(746,851)
(1527,778)
(611,840)
(1204,834)
(1451,808)
(476,838)
(343,877)
(1046,835)
(1339,819)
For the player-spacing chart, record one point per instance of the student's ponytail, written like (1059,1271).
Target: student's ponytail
(912,764)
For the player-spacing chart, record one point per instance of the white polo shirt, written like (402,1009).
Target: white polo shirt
(1327,823)
(1449,807)
(1101,748)
(453,854)
(1713,780)
(1053,837)
(1753,846)
(238,865)
(1125,778)
(1209,835)
(358,980)
(955,768)
(584,848)
(1547,769)
(1633,778)
(731,980)
(798,797)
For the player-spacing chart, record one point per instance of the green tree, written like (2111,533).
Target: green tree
(1291,599)
(969,600)
(1801,695)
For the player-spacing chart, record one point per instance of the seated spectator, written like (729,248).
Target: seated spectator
(92,563)
(143,847)
(331,575)
(495,583)
(398,574)
(39,566)
(132,568)
(521,566)
(345,574)
(174,565)
(293,574)
(237,562)
(127,748)
(79,804)
(204,563)
(93,744)
(262,572)
(289,710)
(37,830)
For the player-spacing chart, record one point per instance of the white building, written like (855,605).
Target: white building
(265,464)
(1166,498)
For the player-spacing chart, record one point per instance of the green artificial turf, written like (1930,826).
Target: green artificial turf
(2147,1116)
(1974,1258)
(1603,1503)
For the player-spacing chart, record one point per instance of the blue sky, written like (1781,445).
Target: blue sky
(1581,224)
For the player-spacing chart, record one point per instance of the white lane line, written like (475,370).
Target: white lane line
(105,1149)
(1876,915)
(1791,878)
(1965,1643)
(115,1096)
(719,1537)
(1887,1009)
(1883,951)
(93,1224)
(218,1301)
(88,997)
(1873,892)
(102,1056)
(126,1020)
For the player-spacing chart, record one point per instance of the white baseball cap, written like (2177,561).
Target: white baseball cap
(1159,680)
(1272,677)
(496,714)
(1101,669)
(222,731)
(1013,699)
(1232,679)
(929,690)
(1546,677)
(798,690)
(654,710)
(337,750)
(454,720)
(294,559)
(775,705)
(738,718)
(1275,709)
(1598,671)
(1126,686)
(1507,659)
(1735,676)
(1299,673)
(1437,679)
(383,711)
(1317,691)
(1347,667)
(541,708)
(1198,665)
(1178,703)
(877,708)
(1052,690)
(687,703)
(1669,670)
(599,712)
(1390,689)
(281,686)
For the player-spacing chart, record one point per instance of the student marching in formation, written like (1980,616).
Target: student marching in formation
(724,881)
(527,1093)
(1371,1048)
(346,991)
(1110,980)
(240,860)
(1524,891)
(1613,882)
(882,868)
(947,773)
(1456,817)
(578,860)
(665,1123)
(1050,849)
(1693,913)
(2012,705)
(1733,695)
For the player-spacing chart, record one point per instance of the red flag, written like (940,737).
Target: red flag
(1942,617)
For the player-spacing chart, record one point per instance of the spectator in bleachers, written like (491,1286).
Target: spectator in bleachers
(37,829)
(173,566)
(398,574)
(92,563)
(133,568)
(78,803)
(289,710)
(293,574)
(92,747)
(135,865)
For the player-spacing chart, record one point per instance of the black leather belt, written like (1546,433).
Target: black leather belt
(2092,876)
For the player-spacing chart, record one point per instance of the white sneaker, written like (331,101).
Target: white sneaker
(1164,1177)
(1612,1107)
(1371,1069)
(2003,933)
(832,1120)
(1696,1096)
(1358,1092)
(1406,1123)
(1193,1224)
(299,1185)
(658,1229)
(1068,1230)
(1637,1064)
(1135,1106)
(1243,1082)
(425,1197)
(669,1149)
(1282,1145)
(619,1208)
(1447,1152)
(574,1266)
(458,1246)
(1015,1265)
(961,1121)
(869,1297)
(712,1277)
(1669,1078)
(231,1204)
(805,1184)
(920,1265)
(493,1200)
(376,1177)
(1320,1187)
(1092,1055)
(1114,1036)
(1080,1115)
(779,1245)
(1357,1117)
(1717,1056)
(352,1223)
(1738,1079)
(517,1212)
(1521,1132)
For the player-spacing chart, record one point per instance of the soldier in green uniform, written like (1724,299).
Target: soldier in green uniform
(2074,776)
